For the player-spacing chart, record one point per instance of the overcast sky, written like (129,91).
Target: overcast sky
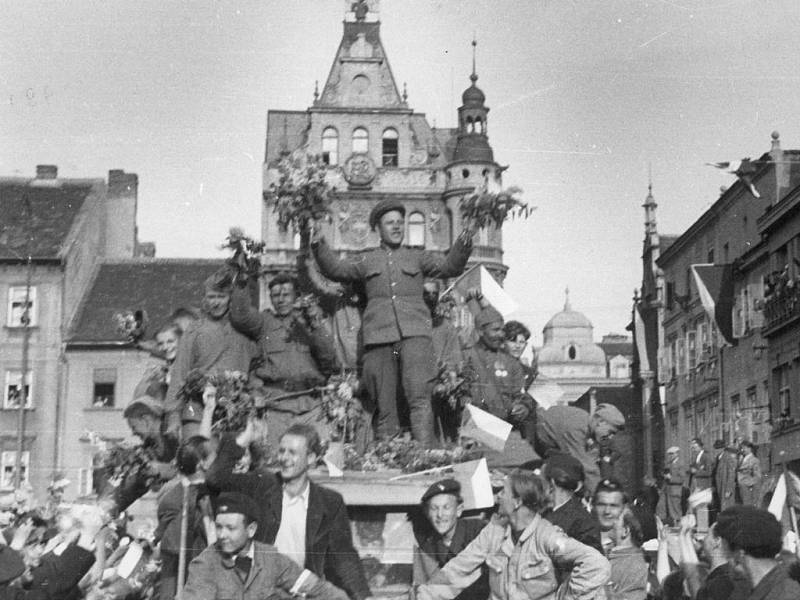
(584,94)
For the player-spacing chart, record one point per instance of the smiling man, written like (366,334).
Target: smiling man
(210,345)
(237,566)
(298,351)
(396,325)
(448,535)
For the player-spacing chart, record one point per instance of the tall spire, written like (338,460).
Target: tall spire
(474,77)
(567,305)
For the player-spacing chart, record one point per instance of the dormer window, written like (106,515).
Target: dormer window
(360,140)
(330,146)
(389,148)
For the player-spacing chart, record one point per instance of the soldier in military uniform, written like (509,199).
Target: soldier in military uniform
(396,324)
(298,352)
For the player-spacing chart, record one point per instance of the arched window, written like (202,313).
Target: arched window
(470,125)
(572,353)
(330,146)
(416,229)
(360,140)
(389,148)
(478,125)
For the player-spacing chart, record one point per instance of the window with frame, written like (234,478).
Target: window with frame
(13,390)
(691,349)
(689,421)
(681,355)
(673,358)
(104,388)
(16,306)
(416,229)
(360,140)
(784,391)
(8,464)
(330,146)
(389,147)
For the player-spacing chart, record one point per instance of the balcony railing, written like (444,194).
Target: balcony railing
(782,307)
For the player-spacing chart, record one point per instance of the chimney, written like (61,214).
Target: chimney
(121,183)
(120,223)
(46,172)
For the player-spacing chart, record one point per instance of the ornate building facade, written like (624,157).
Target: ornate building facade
(376,146)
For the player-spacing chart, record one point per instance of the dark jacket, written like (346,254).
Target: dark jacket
(329,543)
(56,578)
(393,282)
(576,522)
(776,585)
(431,555)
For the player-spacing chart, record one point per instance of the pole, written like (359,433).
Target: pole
(26,338)
(184,534)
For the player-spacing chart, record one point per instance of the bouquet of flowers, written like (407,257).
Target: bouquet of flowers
(301,193)
(341,408)
(406,455)
(453,385)
(484,208)
(235,401)
(131,324)
(121,461)
(246,252)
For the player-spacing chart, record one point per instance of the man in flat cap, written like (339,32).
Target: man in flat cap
(571,430)
(236,566)
(753,538)
(447,535)
(497,387)
(396,325)
(565,475)
(211,345)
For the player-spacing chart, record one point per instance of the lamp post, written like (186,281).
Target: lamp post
(25,320)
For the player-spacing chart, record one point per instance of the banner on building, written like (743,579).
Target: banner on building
(715,287)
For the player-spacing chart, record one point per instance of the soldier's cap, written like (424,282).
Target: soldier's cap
(752,529)
(719,444)
(237,503)
(565,470)
(445,486)
(487,316)
(11,564)
(610,414)
(152,405)
(673,450)
(220,281)
(382,207)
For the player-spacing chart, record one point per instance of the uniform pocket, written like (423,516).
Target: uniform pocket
(410,270)
(537,578)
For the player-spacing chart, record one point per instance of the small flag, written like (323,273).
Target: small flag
(699,498)
(743,169)
(485,428)
(479,278)
(715,287)
(476,485)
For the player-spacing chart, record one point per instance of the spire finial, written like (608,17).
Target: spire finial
(316,90)
(650,178)
(405,92)
(474,77)
(567,305)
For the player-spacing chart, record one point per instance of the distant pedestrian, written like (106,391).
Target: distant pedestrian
(748,475)
(725,477)
(700,479)
(673,484)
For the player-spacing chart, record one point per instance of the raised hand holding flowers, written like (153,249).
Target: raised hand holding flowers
(483,208)
(301,193)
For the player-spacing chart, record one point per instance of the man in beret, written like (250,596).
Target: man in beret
(498,380)
(448,535)
(236,566)
(565,475)
(211,345)
(571,430)
(753,538)
(396,325)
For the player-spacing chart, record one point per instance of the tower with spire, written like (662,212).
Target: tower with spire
(376,146)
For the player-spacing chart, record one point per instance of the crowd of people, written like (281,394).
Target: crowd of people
(239,514)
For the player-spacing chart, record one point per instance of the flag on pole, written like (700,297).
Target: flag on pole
(715,287)
(640,339)
(479,278)
(476,485)
(485,428)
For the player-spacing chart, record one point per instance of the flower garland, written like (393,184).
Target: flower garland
(484,208)
(301,192)
(341,408)
(453,385)
(406,455)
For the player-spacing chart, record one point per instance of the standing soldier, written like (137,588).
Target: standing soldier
(673,481)
(396,324)
(748,475)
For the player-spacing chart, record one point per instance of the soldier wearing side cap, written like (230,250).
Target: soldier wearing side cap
(448,535)
(396,323)
(571,430)
(211,345)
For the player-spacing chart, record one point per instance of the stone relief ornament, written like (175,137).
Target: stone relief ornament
(359,170)
(355,230)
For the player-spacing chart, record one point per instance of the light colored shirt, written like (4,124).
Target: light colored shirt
(291,538)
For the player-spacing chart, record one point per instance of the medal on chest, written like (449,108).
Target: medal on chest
(500,369)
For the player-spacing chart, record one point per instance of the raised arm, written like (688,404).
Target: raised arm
(244,317)
(451,264)
(333,267)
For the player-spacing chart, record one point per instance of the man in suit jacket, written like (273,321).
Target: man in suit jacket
(725,478)
(236,566)
(700,478)
(316,534)
(748,475)
(396,324)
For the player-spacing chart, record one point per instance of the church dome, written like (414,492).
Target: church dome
(473,97)
(569,319)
